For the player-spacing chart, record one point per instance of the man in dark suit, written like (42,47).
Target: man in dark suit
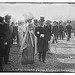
(49,31)
(42,39)
(1,41)
(7,38)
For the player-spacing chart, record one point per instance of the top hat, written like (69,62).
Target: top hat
(42,19)
(7,17)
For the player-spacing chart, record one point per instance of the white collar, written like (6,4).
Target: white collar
(42,26)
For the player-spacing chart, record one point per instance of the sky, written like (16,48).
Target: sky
(49,11)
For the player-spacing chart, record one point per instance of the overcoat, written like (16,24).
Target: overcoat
(61,29)
(55,30)
(42,38)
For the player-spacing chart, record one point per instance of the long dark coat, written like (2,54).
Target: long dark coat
(6,39)
(55,30)
(68,29)
(42,42)
(1,39)
(61,29)
(49,32)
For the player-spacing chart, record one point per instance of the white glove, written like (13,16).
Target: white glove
(42,35)
(37,32)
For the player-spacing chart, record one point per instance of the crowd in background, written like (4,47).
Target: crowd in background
(32,37)
(57,29)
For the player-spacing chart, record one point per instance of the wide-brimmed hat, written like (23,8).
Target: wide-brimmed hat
(28,16)
(20,22)
(48,21)
(42,19)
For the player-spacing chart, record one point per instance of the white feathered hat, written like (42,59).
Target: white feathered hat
(28,16)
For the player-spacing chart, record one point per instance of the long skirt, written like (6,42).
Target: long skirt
(28,52)
(20,38)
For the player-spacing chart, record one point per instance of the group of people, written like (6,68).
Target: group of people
(32,38)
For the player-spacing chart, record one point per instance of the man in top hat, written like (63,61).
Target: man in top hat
(7,38)
(42,40)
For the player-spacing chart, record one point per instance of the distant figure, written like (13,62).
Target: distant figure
(61,30)
(55,31)
(68,30)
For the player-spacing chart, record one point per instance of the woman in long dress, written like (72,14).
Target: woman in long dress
(28,45)
(20,32)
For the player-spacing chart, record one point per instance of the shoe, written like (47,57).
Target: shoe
(43,61)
